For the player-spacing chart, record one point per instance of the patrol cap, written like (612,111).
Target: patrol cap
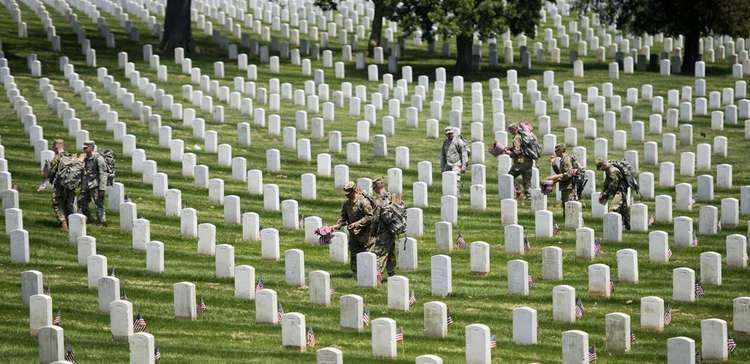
(378,182)
(601,163)
(512,126)
(89,143)
(349,187)
(58,141)
(560,148)
(449,130)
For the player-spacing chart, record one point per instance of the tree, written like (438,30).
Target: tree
(691,18)
(383,10)
(177,27)
(463,19)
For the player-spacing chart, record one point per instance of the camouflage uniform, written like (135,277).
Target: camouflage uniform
(521,164)
(63,198)
(565,183)
(357,212)
(615,190)
(454,155)
(385,241)
(94,185)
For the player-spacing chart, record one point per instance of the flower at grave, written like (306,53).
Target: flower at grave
(547,186)
(497,149)
(325,233)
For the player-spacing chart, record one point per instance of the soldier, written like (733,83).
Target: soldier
(454,156)
(615,191)
(356,215)
(566,171)
(523,157)
(94,182)
(385,240)
(63,198)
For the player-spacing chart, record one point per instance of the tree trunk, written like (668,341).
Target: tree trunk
(464,44)
(177,27)
(376,31)
(692,45)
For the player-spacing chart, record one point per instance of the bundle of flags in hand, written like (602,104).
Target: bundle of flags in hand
(325,234)
(460,242)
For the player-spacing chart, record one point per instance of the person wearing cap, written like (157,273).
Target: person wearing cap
(614,191)
(454,155)
(385,240)
(565,171)
(522,163)
(94,182)
(357,216)
(63,198)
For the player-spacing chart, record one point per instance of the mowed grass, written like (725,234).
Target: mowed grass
(227,332)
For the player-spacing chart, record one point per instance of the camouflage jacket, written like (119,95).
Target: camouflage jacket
(94,172)
(613,181)
(454,154)
(357,212)
(565,168)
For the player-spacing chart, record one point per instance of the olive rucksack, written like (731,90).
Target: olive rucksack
(69,172)
(393,218)
(529,145)
(628,175)
(109,162)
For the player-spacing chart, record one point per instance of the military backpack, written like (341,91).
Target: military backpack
(69,172)
(628,175)
(109,163)
(529,145)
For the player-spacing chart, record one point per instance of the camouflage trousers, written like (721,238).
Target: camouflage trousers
(384,248)
(357,244)
(63,202)
(97,196)
(522,167)
(619,204)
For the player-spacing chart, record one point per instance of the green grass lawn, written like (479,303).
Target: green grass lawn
(227,332)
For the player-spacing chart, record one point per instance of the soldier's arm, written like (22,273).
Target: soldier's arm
(342,217)
(567,168)
(516,149)
(464,154)
(612,183)
(102,166)
(367,213)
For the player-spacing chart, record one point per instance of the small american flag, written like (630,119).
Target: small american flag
(399,334)
(331,291)
(69,356)
(669,253)
(279,312)
(731,345)
(379,278)
(113,272)
(592,353)
(632,338)
(651,220)
(698,356)
(611,286)
(412,299)
(695,239)
(57,320)
(531,281)
(157,354)
(718,225)
(139,325)
(124,296)
(460,242)
(493,341)
(699,292)
(259,285)
(366,316)
(668,316)
(202,307)
(48,291)
(449,319)
(597,247)
(526,246)
(579,309)
(556,230)
(310,337)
